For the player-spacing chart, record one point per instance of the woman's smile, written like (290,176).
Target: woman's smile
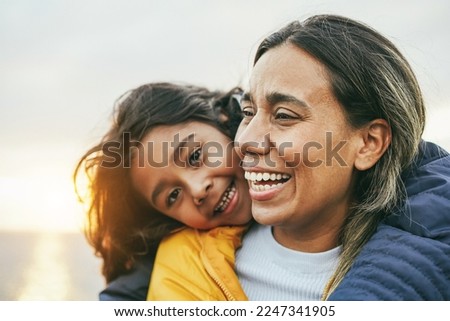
(265,185)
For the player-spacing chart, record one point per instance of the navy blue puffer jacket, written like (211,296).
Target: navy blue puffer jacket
(408,257)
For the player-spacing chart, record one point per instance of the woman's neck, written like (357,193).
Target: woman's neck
(309,241)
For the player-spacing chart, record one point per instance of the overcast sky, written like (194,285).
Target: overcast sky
(63,64)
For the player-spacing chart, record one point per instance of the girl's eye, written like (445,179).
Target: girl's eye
(194,159)
(173,196)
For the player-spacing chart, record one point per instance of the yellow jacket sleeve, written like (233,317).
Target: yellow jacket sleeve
(197,265)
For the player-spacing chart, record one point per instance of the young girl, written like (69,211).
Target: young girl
(166,162)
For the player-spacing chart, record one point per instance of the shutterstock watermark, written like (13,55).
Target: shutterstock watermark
(295,158)
(214,154)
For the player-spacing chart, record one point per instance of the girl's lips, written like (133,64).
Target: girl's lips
(232,202)
(232,205)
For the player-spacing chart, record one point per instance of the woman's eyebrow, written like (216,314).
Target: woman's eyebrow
(246,96)
(277,97)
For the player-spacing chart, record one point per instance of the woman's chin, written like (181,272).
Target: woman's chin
(265,216)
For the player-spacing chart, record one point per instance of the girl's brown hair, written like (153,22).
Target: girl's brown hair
(120,226)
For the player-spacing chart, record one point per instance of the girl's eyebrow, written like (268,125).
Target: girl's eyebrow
(158,189)
(178,145)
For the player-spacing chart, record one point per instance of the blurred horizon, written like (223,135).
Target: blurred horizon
(48,266)
(65,63)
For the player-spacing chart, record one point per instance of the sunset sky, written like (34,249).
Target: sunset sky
(64,63)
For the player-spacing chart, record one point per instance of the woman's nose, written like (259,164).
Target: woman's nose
(254,138)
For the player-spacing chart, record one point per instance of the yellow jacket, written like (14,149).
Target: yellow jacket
(198,265)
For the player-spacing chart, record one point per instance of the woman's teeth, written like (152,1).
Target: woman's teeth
(273,180)
(258,177)
(226,198)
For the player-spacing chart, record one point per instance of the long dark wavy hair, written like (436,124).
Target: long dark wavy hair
(120,226)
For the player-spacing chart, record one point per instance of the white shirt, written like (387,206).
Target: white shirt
(270,271)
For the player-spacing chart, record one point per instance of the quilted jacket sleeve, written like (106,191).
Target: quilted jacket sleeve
(408,257)
(398,266)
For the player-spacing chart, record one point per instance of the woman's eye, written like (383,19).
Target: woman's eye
(194,158)
(173,196)
(248,112)
(283,114)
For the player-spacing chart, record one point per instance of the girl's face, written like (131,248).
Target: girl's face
(297,146)
(190,172)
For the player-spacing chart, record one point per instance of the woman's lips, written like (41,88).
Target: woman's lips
(265,185)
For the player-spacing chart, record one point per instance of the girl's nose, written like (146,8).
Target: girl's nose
(200,188)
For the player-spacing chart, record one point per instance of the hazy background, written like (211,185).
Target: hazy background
(63,64)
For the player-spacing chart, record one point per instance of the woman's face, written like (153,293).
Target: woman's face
(298,149)
(190,172)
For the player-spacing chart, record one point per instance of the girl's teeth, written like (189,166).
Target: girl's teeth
(228,195)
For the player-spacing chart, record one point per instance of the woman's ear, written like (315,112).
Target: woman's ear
(377,136)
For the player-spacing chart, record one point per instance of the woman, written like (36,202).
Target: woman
(337,110)
(166,162)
